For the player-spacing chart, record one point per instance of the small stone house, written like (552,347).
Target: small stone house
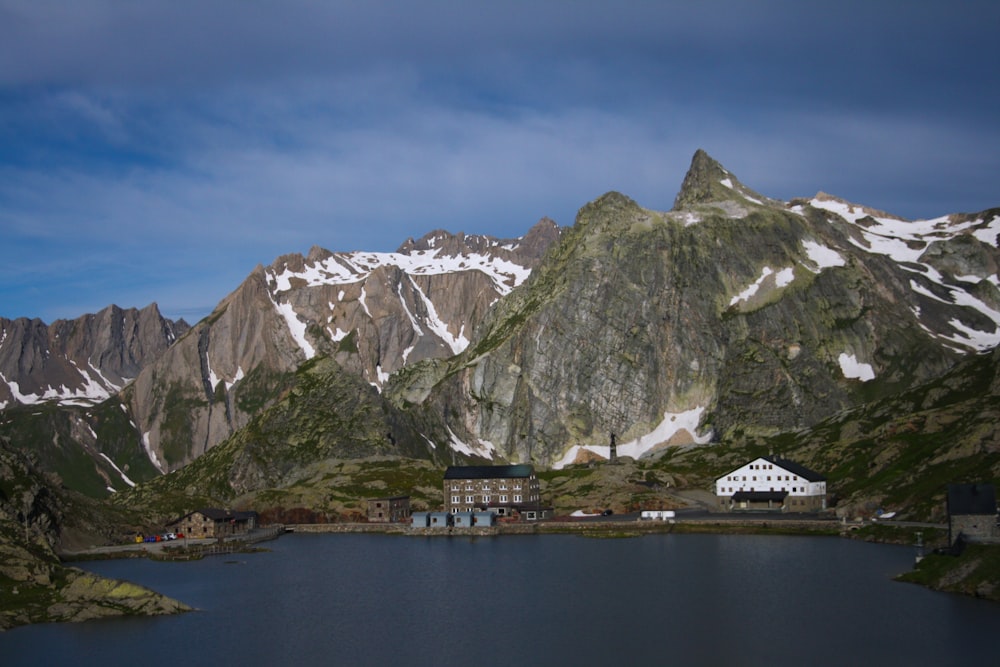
(972,513)
(389,510)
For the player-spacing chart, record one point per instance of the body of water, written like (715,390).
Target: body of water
(534,600)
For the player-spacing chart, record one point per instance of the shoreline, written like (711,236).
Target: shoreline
(587,527)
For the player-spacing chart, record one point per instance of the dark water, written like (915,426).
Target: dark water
(533,600)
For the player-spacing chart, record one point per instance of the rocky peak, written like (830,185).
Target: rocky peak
(84,360)
(538,239)
(708,181)
(605,212)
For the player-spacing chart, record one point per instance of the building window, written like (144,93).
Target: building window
(503,499)
(454,499)
(469,499)
(517,499)
(486,500)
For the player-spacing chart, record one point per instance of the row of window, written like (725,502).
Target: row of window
(469,486)
(486,499)
(779,478)
(795,489)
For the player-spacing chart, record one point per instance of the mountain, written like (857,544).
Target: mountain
(731,316)
(59,386)
(373,313)
(732,321)
(82,361)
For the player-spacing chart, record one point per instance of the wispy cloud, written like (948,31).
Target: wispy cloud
(157,151)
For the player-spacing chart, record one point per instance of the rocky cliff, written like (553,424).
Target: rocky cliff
(36,516)
(730,316)
(373,313)
(82,361)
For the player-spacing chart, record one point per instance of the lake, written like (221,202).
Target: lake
(360,599)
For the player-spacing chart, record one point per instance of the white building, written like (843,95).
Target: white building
(771,483)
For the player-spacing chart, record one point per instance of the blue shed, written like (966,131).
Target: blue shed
(462,519)
(484,519)
(440,519)
(420,519)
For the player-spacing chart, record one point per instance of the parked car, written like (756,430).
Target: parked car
(170,536)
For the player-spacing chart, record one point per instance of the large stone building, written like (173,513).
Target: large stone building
(212,522)
(504,490)
(771,484)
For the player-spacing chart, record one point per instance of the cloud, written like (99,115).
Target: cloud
(159,146)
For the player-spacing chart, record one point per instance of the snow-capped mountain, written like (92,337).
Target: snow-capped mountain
(82,361)
(374,313)
(732,315)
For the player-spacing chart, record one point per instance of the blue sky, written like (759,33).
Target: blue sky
(159,150)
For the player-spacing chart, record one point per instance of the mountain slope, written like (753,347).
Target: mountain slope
(81,361)
(36,518)
(730,316)
(373,313)
(325,416)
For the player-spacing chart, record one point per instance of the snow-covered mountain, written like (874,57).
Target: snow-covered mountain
(374,313)
(82,361)
(732,315)
(952,260)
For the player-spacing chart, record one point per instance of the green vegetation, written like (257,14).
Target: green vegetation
(975,572)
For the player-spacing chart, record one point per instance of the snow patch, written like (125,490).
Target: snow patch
(296,327)
(822,256)
(672,424)
(151,454)
(440,328)
(855,370)
(484,449)
(782,279)
(348,268)
(118,470)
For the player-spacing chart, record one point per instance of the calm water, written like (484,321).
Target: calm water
(534,600)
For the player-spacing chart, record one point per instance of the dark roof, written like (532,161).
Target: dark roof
(790,466)
(759,496)
(216,514)
(489,472)
(972,499)
(796,469)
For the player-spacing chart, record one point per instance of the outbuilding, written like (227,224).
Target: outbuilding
(972,513)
